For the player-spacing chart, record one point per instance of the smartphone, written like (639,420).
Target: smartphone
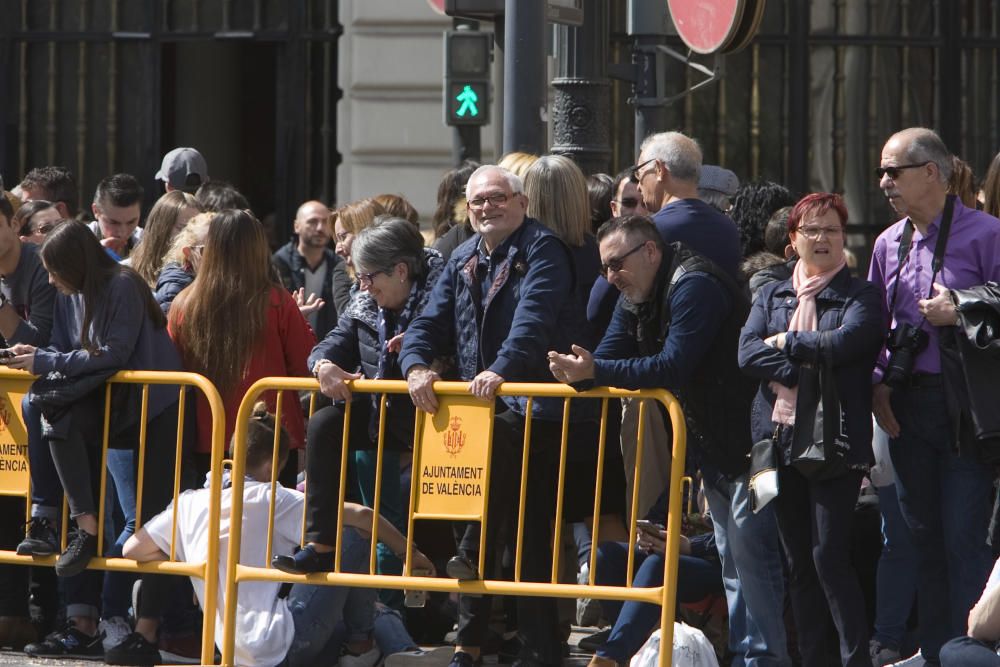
(416,598)
(650,526)
(6,354)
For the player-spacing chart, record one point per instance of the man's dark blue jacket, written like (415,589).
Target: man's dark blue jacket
(684,339)
(529,311)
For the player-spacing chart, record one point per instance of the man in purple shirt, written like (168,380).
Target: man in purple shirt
(945,497)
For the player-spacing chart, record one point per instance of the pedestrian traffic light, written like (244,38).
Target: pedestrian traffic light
(467,77)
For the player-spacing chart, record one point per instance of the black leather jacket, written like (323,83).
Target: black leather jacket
(970,363)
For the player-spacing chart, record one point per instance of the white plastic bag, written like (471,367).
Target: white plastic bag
(691,649)
(882,473)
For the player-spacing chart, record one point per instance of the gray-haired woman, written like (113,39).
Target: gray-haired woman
(396,274)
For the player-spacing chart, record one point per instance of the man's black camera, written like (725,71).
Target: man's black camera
(904,342)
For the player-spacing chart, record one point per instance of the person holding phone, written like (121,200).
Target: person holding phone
(699,574)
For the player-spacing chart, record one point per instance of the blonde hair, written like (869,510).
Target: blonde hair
(357,215)
(557,197)
(517,162)
(193,234)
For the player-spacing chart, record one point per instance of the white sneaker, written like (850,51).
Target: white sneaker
(115,630)
(438,656)
(588,610)
(916,660)
(371,658)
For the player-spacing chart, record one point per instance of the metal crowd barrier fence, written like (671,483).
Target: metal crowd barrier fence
(446,436)
(15,480)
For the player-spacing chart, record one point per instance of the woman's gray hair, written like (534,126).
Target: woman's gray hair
(388,241)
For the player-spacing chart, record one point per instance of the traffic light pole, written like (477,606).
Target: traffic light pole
(524,76)
(646,24)
(581,112)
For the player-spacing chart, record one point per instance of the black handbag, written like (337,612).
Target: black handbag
(819,441)
(763,476)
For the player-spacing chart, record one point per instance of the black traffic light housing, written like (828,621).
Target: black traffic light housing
(467,56)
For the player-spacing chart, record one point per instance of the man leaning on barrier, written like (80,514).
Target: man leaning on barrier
(26,302)
(500,303)
(677,328)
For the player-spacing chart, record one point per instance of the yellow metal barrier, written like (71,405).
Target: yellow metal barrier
(664,595)
(12,382)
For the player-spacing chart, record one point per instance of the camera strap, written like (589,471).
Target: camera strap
(937,263)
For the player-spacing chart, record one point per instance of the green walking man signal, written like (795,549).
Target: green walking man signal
(467,55)
(468,98)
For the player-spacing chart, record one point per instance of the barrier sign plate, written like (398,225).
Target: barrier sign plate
(451,465)
(14,477)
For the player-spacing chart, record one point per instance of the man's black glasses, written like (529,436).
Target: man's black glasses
(893,172)
(617,264)
(634,171)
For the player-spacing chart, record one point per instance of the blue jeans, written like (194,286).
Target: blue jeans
(117,591)
(696,579)
(751,571)
(317,610)
(391,507)
(46,489)
(968,652)
(946,500)
(896,582)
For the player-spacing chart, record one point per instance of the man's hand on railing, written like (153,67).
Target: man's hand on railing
(484,386)
(420,382)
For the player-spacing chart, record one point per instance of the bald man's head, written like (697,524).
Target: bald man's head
(312,225)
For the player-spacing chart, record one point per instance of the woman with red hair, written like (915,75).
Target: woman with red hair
(821,312)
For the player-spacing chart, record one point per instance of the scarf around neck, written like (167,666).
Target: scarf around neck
(805,318)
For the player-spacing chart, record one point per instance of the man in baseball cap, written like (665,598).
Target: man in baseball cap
(183,169)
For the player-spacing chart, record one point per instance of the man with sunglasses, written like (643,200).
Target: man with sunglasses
(944,489)
(677,328)
(625,199)
(500,304)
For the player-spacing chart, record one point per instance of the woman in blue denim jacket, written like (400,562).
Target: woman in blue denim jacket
(789,319)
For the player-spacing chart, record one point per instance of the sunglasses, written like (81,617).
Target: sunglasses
(893,172)
(367,279)
(618,263)
(634,171)
(629,202)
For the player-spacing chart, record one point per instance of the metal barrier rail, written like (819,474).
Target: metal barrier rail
(664,595)
(206,570)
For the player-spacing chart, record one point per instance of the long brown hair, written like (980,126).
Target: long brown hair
(991,188)
(147,260)
(73,254)
(219,320)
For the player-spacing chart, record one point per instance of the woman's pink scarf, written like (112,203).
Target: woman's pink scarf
(803,319)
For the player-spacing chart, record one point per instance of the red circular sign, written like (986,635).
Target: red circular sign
(437,5)
(706,25)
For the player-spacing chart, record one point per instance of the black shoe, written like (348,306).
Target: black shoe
(305,561)
(81,548)
(595,641)
(41,539)
(134,650)
(461,568)
(68,643)
(463,659)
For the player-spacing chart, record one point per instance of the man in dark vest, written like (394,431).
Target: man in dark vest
(677,327)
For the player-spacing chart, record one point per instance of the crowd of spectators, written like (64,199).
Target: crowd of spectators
(856,391)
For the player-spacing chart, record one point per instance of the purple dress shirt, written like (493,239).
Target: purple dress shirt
(972,257)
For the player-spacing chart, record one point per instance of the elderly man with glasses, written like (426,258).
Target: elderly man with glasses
(501,303)
(943,482)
